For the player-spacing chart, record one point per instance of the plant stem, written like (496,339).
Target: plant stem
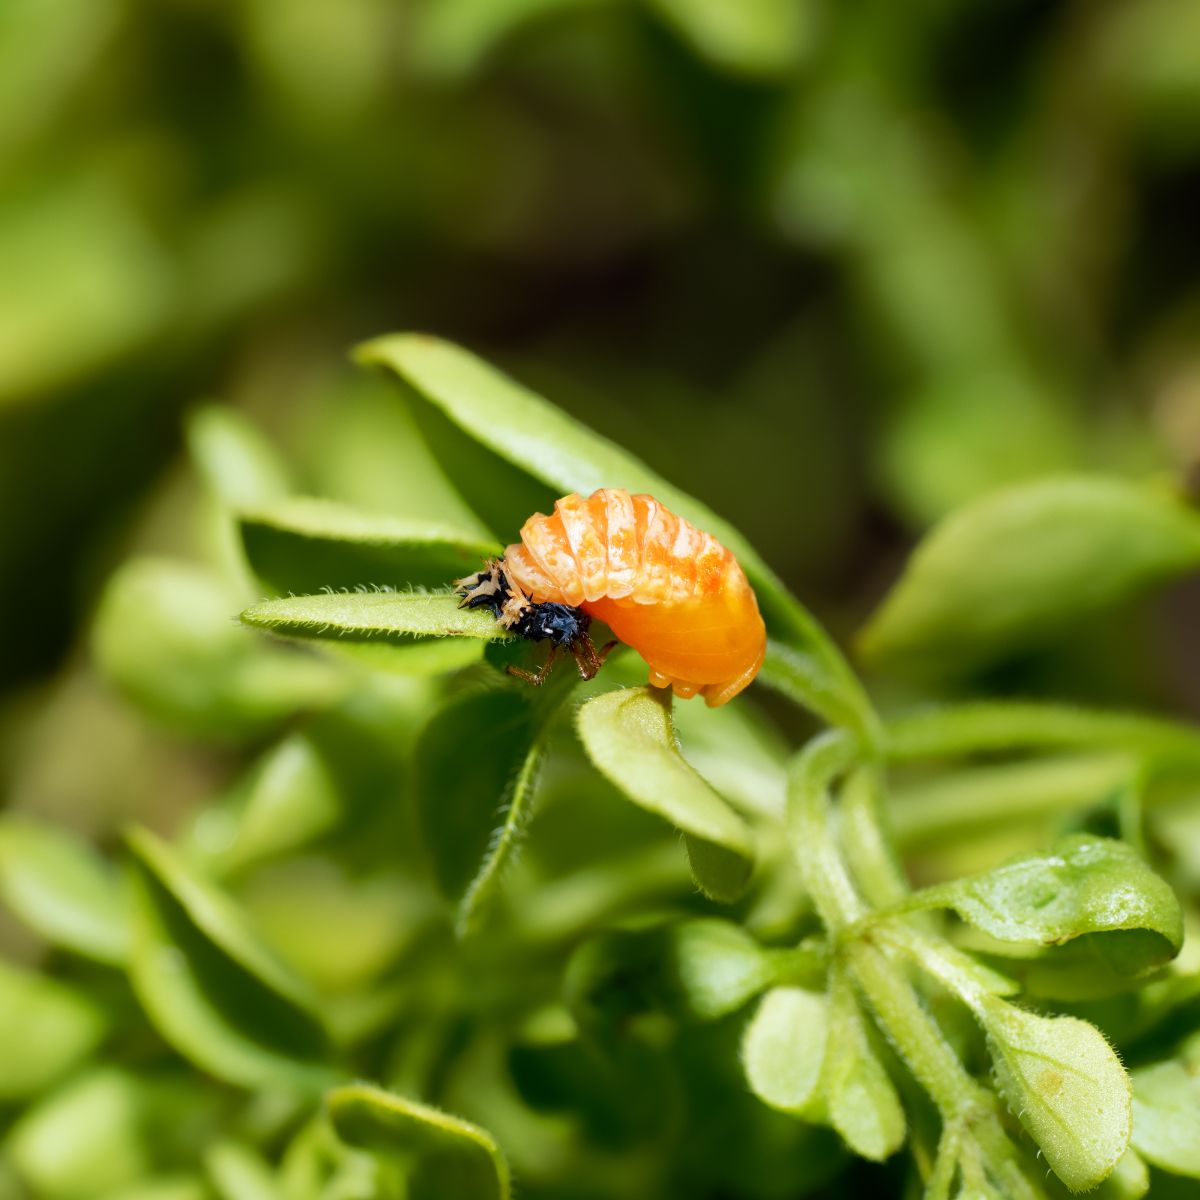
(1001,725)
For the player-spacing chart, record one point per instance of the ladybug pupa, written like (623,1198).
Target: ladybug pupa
(667,589)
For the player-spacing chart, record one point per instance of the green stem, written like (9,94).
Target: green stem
(868,846)
(1001,725)
(825,877)
(898,1011)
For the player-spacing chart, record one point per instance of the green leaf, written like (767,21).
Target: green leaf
(512,453)
(859,1097)
(755,38)
(237,463)
(783,1050)
(84,283)
(696,970)
(62,889)
(240,1173)
(46,1028)
(165,636)
(1066,1086)
(106,1132)
(211,986)
(630,737)
(1082,887)
(475,775)
(308,545)
(1166,1116)
(1016,565)
(289,797)
(450,1157)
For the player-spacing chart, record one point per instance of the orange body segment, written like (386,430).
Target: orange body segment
(664,587)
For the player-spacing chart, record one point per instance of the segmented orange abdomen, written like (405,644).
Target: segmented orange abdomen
(666,588)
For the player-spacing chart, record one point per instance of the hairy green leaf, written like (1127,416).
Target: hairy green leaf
(61,888)
(630,737)
(308,545)
(513,453)
(860,1099)
(46,1028)
(450,1156)
(212,988)
(1166,1116)
(1007,569)
(1082,887)
(783,1050)
(475,774)
(165,636)
(1066,1086)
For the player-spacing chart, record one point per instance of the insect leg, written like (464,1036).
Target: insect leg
(538,677)
(587,658)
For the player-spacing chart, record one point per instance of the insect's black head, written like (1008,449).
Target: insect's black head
(557,623)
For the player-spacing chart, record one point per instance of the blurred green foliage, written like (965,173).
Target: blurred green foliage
(837,270)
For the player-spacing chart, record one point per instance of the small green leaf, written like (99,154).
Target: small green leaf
(1166,1116)
(471,756)
(1012,567)
(783,1050)
(512,453)
(209,984)
(1065,1085)
(308,545)
(46,1028)
(62,889)
(475,774)
(288,797)
(165,637)
(390,616)
(450,1157)
(239,1172)
(754,38)
(108,1132)
(1082,887)
(696,970)
(630,737)
(860,1099)
(237,463)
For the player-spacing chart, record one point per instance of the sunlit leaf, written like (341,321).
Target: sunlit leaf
(166,636)
(783,1050)
(307,545)
(235,460)
(210,985)
(514,453)
(1066,1086)
(630,737)
(46,1028)
(1166,1116)
(62,888)
(450,1157)
(84,282)
(1007,569)
(109,1132)
(760,38)
(1082,887)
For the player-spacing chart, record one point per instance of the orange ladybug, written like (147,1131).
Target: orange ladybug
(664,587)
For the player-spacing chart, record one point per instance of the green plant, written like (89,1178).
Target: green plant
(471,918)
